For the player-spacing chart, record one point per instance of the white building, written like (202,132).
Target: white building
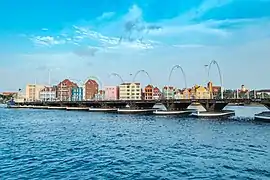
(130,91)
(48,94)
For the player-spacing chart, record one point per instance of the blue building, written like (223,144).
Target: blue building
(77,94)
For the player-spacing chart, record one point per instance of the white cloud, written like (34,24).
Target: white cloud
(46,41)
(106,15)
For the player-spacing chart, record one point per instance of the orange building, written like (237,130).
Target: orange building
(91,89)
(148,92)
(64,89)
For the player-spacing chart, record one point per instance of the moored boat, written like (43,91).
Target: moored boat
(263,116)
(220,114)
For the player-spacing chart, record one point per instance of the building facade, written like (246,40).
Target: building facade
(168,92)
(32,92)
(201,92)
(64,90)
(111,92)
(157,93)
(100,95)
(77,94)
(148,92)
(90,89)
(130,91)
(48,94)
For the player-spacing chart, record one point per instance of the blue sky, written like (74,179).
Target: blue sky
(83,38)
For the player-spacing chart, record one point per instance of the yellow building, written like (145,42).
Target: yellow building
(201,92)
(32,92)
(130,91)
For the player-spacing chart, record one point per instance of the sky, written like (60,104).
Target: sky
(83,38)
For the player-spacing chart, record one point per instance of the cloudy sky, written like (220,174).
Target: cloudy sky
(84,38)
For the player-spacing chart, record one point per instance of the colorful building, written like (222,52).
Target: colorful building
(157,93)
(48,94)
(148,92)
(111,93)
(186,94)
(77,94)
(64,90)
(168,92)
(90,89)
(130,91)
(213,90)
(201,92)
(100,95)
(32,92)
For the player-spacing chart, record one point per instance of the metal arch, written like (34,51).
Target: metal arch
(183,73)
(142,71)
(220,75)
(94,78)
(79,82)
(117,75)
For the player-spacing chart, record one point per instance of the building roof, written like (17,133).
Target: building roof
(8,93)
(49,89)
(129,83)
(149,86)
(68,83)
(91,81)
(170,87)
(264,90)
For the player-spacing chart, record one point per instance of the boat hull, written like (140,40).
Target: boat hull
(135,111)
(221,114)
(263,117)
(172,113)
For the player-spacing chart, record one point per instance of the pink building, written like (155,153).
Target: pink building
(111,92)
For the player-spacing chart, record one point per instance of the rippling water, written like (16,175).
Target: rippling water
(43,144)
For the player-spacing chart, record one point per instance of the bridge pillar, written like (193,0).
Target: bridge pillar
(213,106)
(176,106)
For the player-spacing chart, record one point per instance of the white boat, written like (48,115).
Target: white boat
(264,116)
(163,112)
(102,110)
(57,108)
(135,111)
(226,113)
(77,108)
(40,107)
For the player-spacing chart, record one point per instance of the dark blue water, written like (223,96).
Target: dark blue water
(41,144)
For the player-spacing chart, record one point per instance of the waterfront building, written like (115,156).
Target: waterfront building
(214,91)
(200,92)
(100,95)
(178,94)
(111,93)
(64,90)
(32,92)
(148,92)
(130,91)
(77,94)
(186,93)
(168,92)
(157,93)
(90,89)
(48,94)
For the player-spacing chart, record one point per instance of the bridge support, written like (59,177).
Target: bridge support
(214,106)
(176,106)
